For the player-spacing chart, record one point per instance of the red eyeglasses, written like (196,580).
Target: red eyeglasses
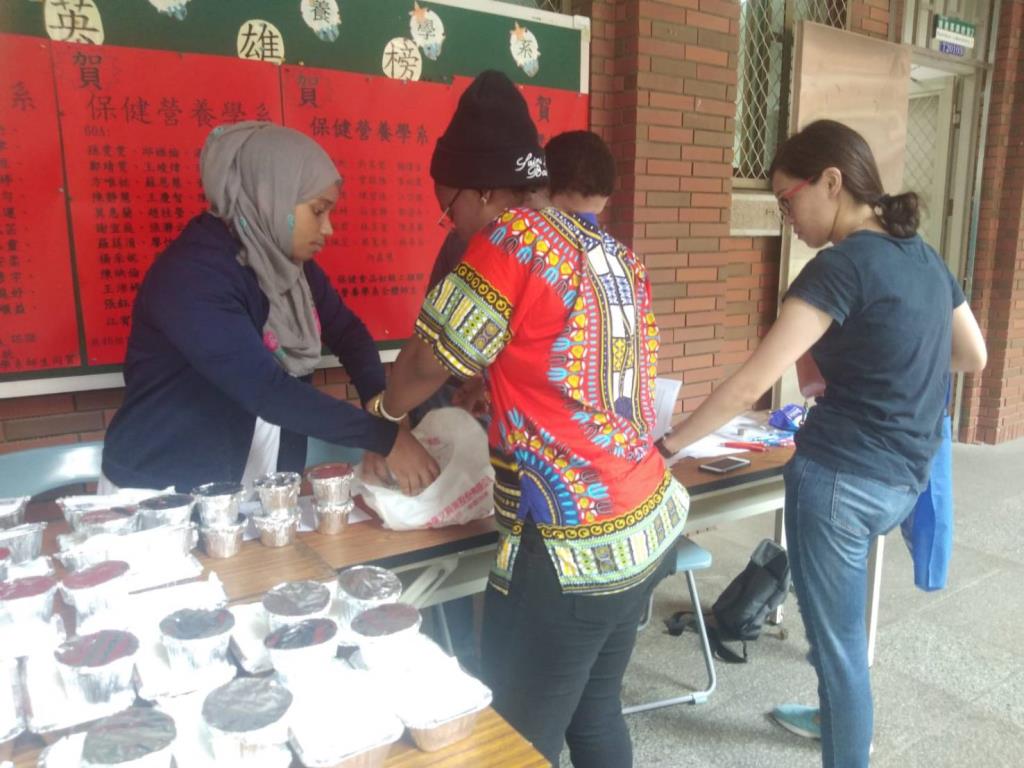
(785,198)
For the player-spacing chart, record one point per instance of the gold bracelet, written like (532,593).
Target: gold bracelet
(377,409)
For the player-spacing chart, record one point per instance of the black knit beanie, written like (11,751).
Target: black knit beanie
(491,141)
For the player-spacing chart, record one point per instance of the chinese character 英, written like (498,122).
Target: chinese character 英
(73,23)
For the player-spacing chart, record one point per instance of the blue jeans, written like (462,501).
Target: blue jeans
(831,519)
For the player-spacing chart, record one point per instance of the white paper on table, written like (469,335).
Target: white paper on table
(713,445)
(666,392)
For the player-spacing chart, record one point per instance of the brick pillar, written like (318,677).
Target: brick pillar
(994,400)
(871,17)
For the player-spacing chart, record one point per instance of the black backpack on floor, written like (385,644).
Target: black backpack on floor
(740,611)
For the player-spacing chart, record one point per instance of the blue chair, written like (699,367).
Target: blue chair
(38,470)
(321,452)
(689,558)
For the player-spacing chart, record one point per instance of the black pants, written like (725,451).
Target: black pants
(555,661)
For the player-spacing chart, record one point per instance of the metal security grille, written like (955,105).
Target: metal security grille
(764,36)
(922,135)
(558,6)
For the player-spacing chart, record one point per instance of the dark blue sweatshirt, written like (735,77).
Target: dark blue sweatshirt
(197,373)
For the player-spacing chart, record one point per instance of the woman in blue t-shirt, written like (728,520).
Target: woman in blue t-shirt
(886,323)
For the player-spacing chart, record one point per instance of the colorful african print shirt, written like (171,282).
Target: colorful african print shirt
(557,315)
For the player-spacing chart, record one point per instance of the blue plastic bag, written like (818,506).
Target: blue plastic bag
(928,530)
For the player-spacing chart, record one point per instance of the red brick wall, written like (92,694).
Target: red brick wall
(994,400)
(871,17)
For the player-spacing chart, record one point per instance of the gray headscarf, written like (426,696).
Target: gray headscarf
(254,174)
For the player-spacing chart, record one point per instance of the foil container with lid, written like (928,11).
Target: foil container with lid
(386,633)
(12,511)
(278,528)
(294,601)
(218,503)
(25,542)
(223,541)
(28,599)
(142,550)
(332,519)
(96,588)
(278,491)
(365,586)
(343,733)
(331,484)
(99,666)
(299,652)
(194,639)
(116,520)
(246,718)
(166,509)
(138,737)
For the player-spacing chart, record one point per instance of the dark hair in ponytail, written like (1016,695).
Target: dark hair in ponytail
(828,144)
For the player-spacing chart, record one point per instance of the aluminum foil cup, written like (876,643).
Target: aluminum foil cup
(116,520)
(12,511)
(300,651)
(137,737)
(218,503)
(294,601)
(246,717)
(96,588)
(386,633)
(5,558)
(332,484)
(278,491)
(277,529)
(25,542)
(168,509)
(320,741)
(365,586)
(28,599)
(332,519)
(195,639)
(98,666)
(223,541)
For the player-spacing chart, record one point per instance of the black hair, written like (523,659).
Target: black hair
(829,144)
(580,161)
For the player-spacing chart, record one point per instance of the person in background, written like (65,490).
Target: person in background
(228,325)
(556,315)
(886,324)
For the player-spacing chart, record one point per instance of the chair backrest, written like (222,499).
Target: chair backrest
(37,470)
(321,452)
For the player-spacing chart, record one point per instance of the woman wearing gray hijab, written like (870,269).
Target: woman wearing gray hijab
(228,325)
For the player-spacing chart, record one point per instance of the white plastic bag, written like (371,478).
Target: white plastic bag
(463,490)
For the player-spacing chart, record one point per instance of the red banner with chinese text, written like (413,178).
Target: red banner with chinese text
(38,327)
(133,123)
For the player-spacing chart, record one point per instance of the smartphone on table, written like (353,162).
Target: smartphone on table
(725,464)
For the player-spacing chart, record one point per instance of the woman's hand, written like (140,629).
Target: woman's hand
(410,465)
(472,396)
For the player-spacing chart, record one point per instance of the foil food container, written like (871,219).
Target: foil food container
(246,717)
(136,738)
(278,528)
(99,666)
(12,511)
(386,633)
(168,509)
(96,588)
(331,484)
(278,491)
(195,639)
(354,735)
(294,601)
(218,503)
(116,520)
(25,542)
(365,586)
(223,541)
(332,519)
(439,705)
(28,600)
(5,558)
(12,720)
(300,651)
(140,549)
